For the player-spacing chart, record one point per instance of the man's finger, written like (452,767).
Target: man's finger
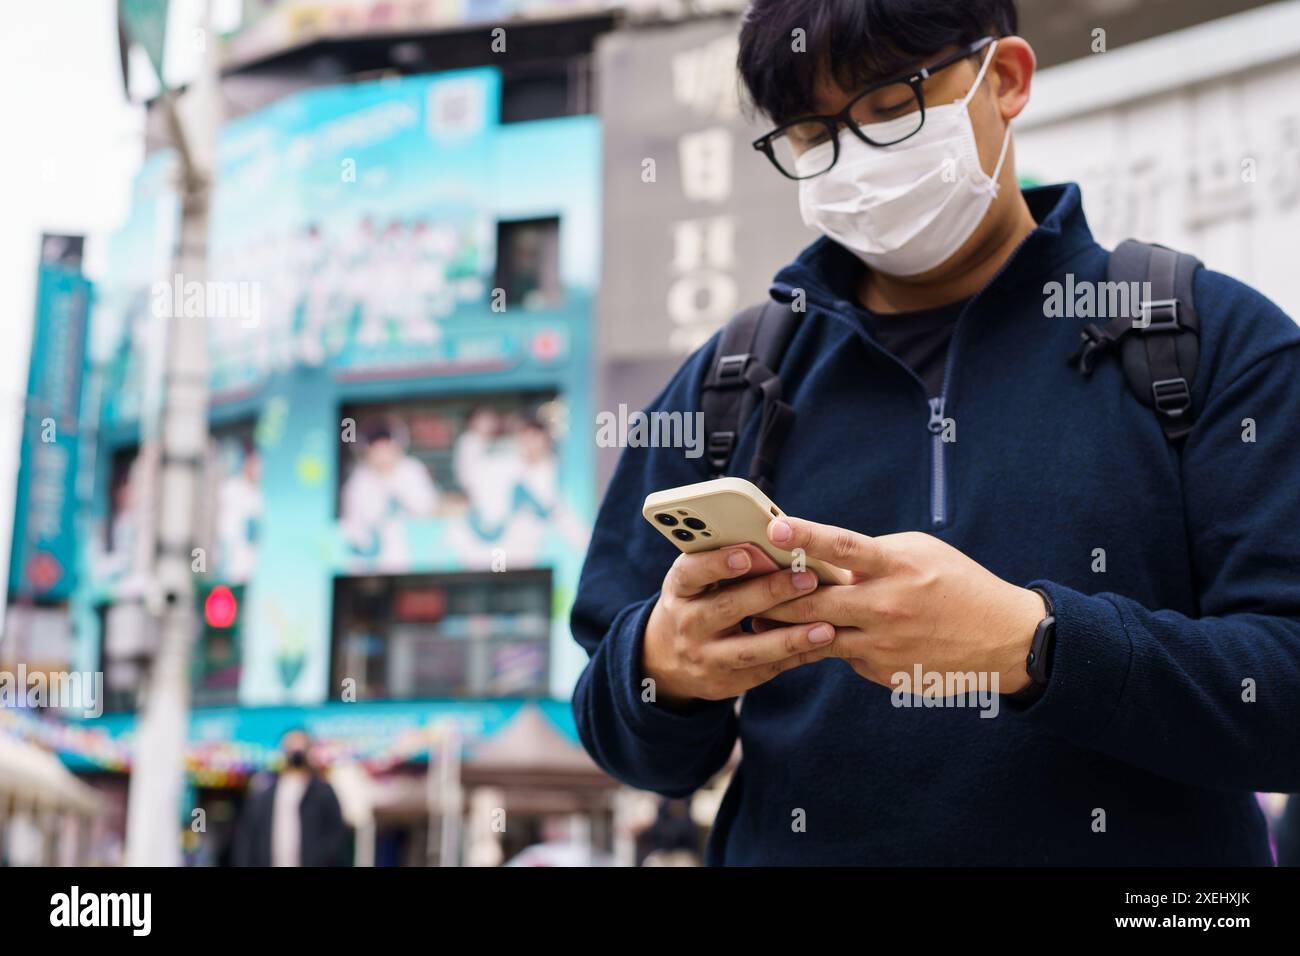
(744,651)
(828,604)
(838,546)
(844,605)
(752,677)
(724,608)
(692,574)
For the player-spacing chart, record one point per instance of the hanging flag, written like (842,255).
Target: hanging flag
(44,536)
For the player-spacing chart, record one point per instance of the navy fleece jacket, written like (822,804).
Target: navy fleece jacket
(1175,687)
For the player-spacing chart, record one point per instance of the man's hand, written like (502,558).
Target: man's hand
(694,647)
(914,600)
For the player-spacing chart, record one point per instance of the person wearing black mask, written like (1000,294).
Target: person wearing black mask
(296,819)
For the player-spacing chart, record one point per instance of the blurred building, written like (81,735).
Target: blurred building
(402,271)
(1190,138)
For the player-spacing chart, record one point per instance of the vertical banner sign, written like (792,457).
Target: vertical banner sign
(696,221)
(44,546)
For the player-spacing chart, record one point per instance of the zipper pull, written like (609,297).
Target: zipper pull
(935,424)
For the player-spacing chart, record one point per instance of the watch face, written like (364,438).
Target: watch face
(1040,650)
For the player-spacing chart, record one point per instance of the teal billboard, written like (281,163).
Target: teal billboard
(399,303)
(43,557)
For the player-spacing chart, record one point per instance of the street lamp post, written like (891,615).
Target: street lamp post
(175,483)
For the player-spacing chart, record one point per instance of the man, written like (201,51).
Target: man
(1156,579)
(296,819)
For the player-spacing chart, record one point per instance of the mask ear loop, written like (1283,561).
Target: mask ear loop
(979,77)
(1006,139)
(995,179)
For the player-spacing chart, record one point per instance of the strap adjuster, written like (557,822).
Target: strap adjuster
(1166,322)
(720,446)
(731,369)
(1172,396)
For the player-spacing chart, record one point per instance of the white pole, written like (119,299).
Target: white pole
(181,432)
(432,799)
(364,853)
(450,797)
(624,819)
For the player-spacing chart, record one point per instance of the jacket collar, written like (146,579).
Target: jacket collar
(829,273)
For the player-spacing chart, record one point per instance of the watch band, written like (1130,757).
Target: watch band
(1038,663)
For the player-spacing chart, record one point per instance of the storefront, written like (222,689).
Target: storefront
(47,815)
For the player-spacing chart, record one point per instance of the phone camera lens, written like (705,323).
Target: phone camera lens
(681,534)
(666,520)
(695,524)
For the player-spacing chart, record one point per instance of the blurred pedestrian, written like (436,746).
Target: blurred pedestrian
(1288,834)
(295,819)
(673,839)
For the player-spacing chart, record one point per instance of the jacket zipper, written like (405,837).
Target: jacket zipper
(934,425)
(938,470)
(938,475)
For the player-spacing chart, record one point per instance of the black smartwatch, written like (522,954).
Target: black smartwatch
(1039,661)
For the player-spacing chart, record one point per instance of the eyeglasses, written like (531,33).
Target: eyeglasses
(810,145)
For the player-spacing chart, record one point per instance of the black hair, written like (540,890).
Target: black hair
(853,41)
(377,430)
(529,421)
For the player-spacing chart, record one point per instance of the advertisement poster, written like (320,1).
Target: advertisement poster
(399,309)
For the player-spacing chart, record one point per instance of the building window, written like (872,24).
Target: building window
(528,262)
(38,636)
(124,477)
(536,91)
(431,636)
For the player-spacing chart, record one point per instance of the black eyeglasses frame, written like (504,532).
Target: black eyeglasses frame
(913,78)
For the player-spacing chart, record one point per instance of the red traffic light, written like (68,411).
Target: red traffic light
(220,608)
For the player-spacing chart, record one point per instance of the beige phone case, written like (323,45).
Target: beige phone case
(732,511)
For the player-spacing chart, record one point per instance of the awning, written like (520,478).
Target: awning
(33,776)
(530,751)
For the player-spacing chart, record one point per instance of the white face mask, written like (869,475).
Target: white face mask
(907,208)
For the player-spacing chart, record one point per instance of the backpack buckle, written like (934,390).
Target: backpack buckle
(1167,322)
(719,448)
(731,369)
(1172,396)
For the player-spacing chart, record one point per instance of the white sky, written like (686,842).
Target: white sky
(71,144)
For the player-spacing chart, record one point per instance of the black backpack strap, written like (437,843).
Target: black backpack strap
(1159,345)
(742,376)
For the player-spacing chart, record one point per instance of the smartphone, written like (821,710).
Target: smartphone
(722,513)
